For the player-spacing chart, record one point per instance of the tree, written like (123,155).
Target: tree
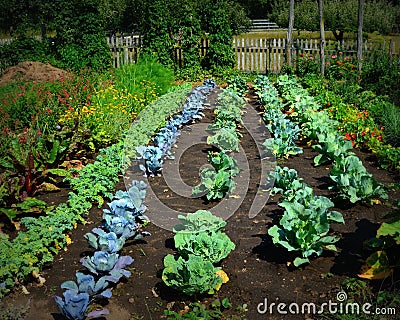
(339,16)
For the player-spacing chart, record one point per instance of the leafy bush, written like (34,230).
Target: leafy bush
(213,246)
(194,275)
(353,181)
(391,122)
(199,221)
(23,49)
(305,228)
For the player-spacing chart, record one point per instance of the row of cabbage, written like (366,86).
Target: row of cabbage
(122,221)
(348,174)
(305,224)
(200,242)
(217,181)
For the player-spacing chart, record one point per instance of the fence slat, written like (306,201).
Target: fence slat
(252,54)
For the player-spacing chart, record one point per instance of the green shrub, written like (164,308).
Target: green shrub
(23,49)
(391,122)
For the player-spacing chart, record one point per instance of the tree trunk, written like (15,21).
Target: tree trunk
(289,34)
(359,34)
(322,37)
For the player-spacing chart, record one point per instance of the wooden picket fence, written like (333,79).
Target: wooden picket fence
(255,54)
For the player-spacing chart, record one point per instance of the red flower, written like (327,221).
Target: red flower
(353,135)
(347,136)
(353,143)
(372,134)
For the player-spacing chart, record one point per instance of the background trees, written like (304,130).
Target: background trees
(340,16)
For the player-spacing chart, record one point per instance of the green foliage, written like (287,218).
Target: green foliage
(331,146)
(353,181)
(23,49)
(200,243)
(237,84)
(305,228)
(213,246)
(391,122)
(339,16)
(199,221)
(225,138)
(45,236)
(215,185)
(200,311)
(80,40)
(193,276)
(380,73)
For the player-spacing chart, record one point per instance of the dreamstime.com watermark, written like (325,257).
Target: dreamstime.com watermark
(340,306)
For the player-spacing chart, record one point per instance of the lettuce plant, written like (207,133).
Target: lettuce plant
(74,306)
(199,221)
(192,276)
(213,246)
(87,284)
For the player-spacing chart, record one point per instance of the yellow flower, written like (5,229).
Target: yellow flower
(50,228)
(68,239)
(221,273)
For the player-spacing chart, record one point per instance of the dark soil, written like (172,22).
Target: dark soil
(257,269)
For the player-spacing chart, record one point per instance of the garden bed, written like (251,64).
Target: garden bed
(257,269)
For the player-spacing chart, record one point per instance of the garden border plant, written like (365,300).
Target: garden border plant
(25,255)
(123,220)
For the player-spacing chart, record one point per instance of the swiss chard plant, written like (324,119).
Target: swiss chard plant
(304,229)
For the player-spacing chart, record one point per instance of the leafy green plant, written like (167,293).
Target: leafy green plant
(354,182)
(199,221)
(192,276)
(331,146)
(214,184)
(213,246)
(200,311)
(391,121)
(305,228)
(225,139)
(237,84)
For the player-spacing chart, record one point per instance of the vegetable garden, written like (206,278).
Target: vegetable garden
(83,237)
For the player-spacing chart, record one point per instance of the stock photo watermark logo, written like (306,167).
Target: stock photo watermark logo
(193,136)
(341,306)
